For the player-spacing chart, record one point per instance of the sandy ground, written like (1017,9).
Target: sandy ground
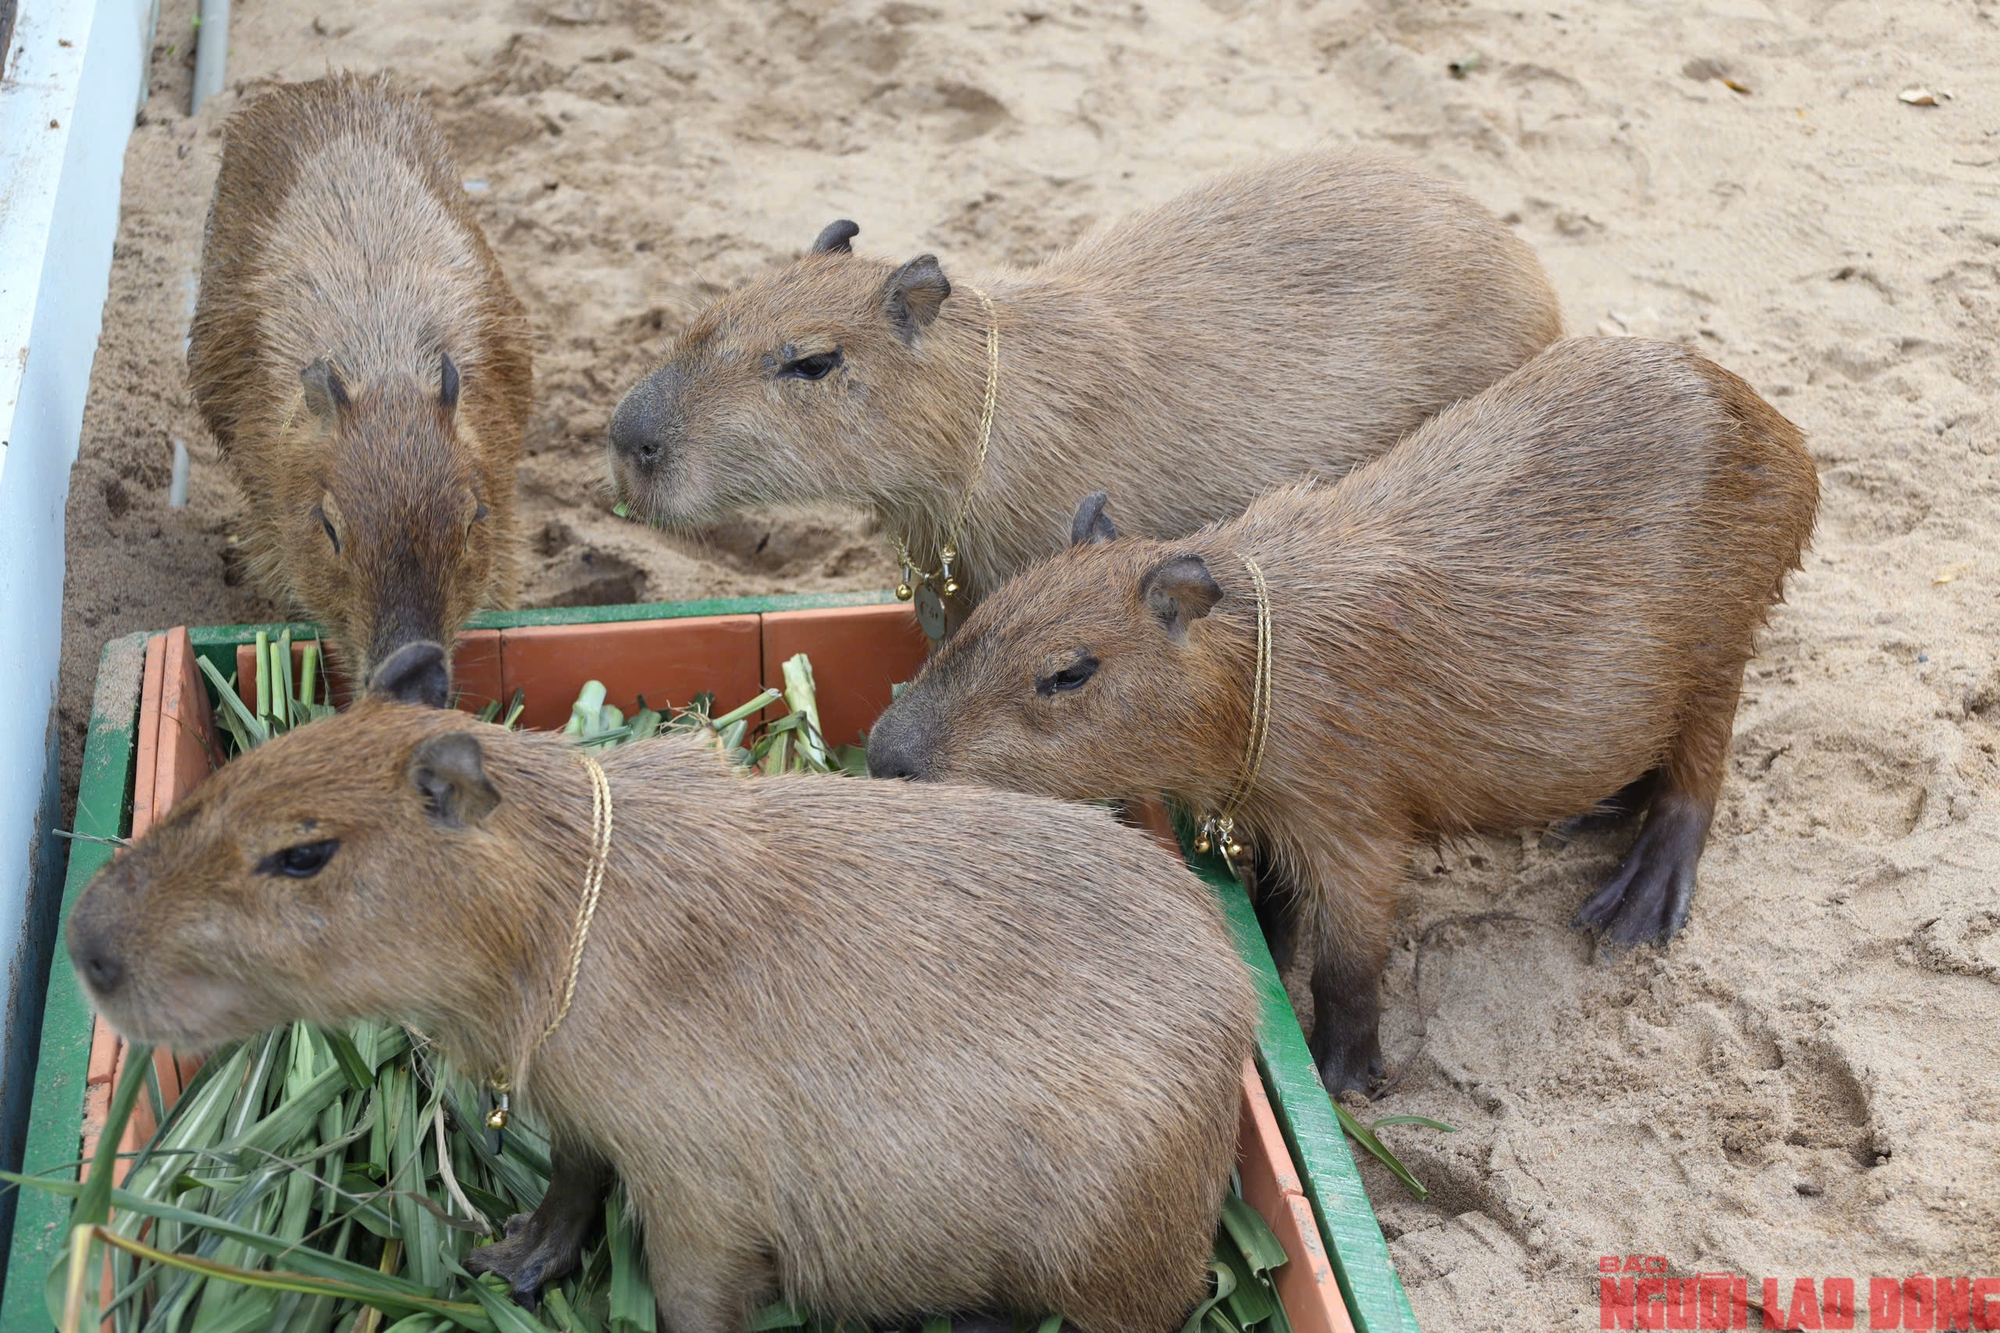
(1804,1083)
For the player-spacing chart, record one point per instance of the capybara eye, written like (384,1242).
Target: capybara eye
(300,862)
(814,367)
(331,535)
(1072,677)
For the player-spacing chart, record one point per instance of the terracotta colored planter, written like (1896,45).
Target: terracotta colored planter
(857,652)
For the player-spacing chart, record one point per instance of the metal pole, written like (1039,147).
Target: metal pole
(211,50)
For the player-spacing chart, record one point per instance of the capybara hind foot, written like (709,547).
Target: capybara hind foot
(1648,897)
(546,1245)
(1615,809)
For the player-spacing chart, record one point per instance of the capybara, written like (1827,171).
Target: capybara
(364,367)
(880,1053)
(1271,325)
(1542,598)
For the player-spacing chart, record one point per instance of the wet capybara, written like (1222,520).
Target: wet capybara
(364,367)
(1271,325)
(1542,598)
(985,1058)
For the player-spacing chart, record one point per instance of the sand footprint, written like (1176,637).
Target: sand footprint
(1966,942)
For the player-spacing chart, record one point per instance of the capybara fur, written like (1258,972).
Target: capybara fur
(881,1053)
(364,367)
(1271,325)
(1543,598)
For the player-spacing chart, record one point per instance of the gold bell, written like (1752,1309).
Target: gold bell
(904,592)
(951,587)
(1201,843)
(1233,851)
(497,1118)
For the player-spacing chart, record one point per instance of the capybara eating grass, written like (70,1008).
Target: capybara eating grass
(882,1054)
(1540,602)
(364,367)
(1271,325)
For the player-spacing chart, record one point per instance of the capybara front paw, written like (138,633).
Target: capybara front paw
(525,1260)
(1647,898)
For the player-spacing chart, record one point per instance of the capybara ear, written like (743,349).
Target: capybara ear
(1092,526)
(1180,590)
(833,240)
(447,382)
(326,396)
(449,771)
(913,295)
(414,674)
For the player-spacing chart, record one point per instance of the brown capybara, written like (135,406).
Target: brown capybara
(364,367)
(1271,325)
(1542,598)
(880,1053)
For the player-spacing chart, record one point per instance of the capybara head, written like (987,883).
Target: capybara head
(1111,669)
(286,886)
(389,539)
(785,388)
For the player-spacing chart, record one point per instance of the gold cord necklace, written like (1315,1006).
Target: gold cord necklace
(1219,830)
(593,886)
(931,587)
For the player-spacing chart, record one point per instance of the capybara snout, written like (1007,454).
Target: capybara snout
(95,951)
(645,431)
(415,673)
(743,408)
(406,539)
(254,897)
(1094,643)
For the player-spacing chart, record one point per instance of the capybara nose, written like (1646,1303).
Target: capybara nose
(102,971)
(889,759)
(94,958)
(414,674)
(638,427)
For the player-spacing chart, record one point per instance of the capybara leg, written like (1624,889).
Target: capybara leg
(1347,1008)
(545,1246)
(1349,935)
(1277,903)
(1647,898)
(1615,809)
